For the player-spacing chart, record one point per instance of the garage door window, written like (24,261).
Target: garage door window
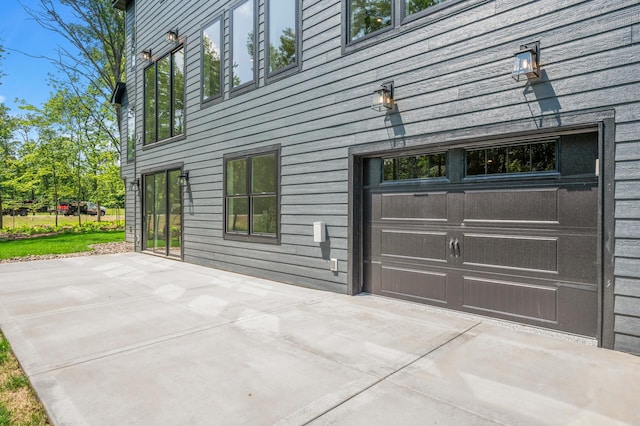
(522,158)
(415,167)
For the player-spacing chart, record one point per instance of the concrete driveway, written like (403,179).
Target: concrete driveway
(135,339)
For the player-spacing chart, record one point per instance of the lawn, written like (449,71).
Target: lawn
(57,244)
(18,403)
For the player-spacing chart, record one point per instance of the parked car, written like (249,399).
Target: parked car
(69,208)
(92,209)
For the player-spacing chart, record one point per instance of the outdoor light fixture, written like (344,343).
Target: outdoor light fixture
(134,185)
(172,36)
(146,55)
(184,178)
(383,97)
(527,61)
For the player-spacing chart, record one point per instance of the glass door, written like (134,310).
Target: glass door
(163,213)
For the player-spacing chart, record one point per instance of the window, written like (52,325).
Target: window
(412,7)
(251,195)
(243,52)
(282,33)
(522,158)
(131,134)
(415,167)
(368,16)
(164,98)
(365,18)
(212,61)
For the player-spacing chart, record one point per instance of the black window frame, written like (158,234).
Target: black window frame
(249,85)
(291,68)
(399,22)
(154,64)
(346,5)
(248,155)
(217,98)
(502,175)
(131,144)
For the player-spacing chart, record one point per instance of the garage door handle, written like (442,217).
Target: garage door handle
(452,246)
(457,248)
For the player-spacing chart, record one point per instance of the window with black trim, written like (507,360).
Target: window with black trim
(368,19)
(251,182)
(282,35)
(368,16)
(243,48)
(131,134)
(164,98)
(522,158)
(411,7)
(212,61)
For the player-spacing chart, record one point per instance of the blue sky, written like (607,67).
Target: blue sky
(25,77)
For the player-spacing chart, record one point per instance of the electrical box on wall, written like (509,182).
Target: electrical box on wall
(319,232)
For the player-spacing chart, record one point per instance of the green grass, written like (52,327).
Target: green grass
(57,244)
(19,405)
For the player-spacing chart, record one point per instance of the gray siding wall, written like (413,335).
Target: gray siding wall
(451,71)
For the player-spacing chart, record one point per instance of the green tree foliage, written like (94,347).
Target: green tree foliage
(96,29)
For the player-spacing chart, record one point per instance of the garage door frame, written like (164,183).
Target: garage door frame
(601,121)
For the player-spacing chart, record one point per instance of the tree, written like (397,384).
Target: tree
(7,155)
(96,30)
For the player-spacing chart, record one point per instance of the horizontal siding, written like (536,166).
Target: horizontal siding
(451,73)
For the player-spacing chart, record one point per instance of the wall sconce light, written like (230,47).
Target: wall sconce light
(146,55)
(527,61)
(134,185)
(172,36)
(184,179)
(383,97)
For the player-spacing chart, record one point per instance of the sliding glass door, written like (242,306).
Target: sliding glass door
(163,213)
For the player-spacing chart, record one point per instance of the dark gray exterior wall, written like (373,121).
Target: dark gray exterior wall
(451,70)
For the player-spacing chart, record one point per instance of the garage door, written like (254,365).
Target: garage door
(509,231)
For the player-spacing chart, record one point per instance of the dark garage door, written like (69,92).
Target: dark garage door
(513,236)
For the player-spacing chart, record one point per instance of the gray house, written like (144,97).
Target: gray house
(475,155)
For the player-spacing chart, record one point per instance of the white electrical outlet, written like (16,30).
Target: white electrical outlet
(333,265)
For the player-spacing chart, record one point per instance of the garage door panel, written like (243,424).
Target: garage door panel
(512,206)
(427,206)
(414,245)
(413,284)
(583,252)
(579,206)
(539,254)
(511,299)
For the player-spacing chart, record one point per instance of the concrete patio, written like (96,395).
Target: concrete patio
(136,339)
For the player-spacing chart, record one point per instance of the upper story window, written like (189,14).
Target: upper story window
(164,98)
(251,182)
(282,35)
(212,61)
(368,16)
(131,134)
(243,52)
(412,7)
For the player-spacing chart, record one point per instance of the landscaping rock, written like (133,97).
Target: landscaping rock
(105,248)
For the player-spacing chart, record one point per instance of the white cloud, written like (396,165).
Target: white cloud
(2,99)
